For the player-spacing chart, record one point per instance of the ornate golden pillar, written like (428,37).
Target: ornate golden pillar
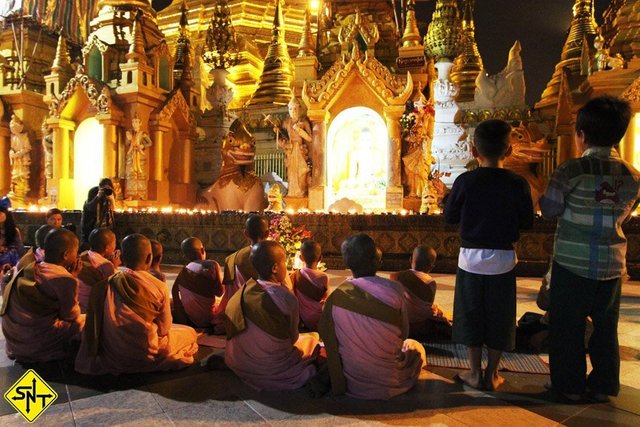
(630,144)
(110,162)
(187,157)
(5,167)
(61,190)
(319,120)
(158,178)
(392,114)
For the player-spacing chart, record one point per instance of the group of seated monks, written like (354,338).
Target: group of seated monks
(118,319)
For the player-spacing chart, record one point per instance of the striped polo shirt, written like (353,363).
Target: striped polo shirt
(592,196)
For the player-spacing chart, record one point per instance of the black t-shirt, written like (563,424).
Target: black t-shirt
(491,205)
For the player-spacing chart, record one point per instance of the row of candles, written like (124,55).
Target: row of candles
(289,211)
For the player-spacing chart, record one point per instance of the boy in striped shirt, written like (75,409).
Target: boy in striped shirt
(592,196)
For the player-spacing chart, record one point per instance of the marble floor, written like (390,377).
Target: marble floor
(195,396)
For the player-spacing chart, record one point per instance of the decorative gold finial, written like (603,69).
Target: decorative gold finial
(468,64)
(221,50)
(274,86)
(182,71)
(411,36)
(62,61)
(444,35)
(582,25)
(136,47)
(307,44)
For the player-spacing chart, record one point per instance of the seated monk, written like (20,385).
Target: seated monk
(40,311)
(157,251)
(310,285)
(129,326)
(264,348)
(364,327)
(426,319)
(195,289)
(35,254)
(98,263)
(237,266)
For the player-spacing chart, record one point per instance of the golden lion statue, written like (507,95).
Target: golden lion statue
(237,186)
(529,148)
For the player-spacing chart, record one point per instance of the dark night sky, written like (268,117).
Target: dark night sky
(540,25)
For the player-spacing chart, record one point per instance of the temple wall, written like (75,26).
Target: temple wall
(396,235)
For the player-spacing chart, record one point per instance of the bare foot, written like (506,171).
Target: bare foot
(493,381)
(471,378)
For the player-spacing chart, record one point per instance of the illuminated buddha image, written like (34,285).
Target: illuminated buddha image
(357,157)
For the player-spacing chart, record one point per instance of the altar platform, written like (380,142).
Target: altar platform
(195,396)
(395,234)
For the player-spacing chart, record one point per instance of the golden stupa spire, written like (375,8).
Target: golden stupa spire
(136,47)
(307,45)
(468,64)
(182,71)
(62,61)
(274,86)
(411,36)
(626,40)
(583,25)
(444,35)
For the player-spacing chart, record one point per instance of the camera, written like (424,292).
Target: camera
(108,191)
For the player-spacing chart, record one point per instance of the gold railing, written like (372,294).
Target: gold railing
(271,161)
(549,162)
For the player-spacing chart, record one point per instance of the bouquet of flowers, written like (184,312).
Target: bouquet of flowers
(281,230)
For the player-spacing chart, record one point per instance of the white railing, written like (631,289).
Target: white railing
(271,161)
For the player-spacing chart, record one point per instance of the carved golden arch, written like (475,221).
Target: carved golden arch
(369,84)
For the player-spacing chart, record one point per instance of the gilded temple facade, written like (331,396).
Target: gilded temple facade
(149,96)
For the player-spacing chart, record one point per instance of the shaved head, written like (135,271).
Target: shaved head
(136,252)
(256,228)
(100,238)
(311,251)
(423,258)
(41,234)
(193,249)
(60,244)
(264,255)
(361,255)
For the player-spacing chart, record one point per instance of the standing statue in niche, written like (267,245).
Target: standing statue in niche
(19,159)
(136,162)
(417,157)
(47,148)
(219,95)
(294,139)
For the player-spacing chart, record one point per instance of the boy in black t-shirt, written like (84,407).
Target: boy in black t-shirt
(491,204)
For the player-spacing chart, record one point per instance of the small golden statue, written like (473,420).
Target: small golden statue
(19,159)
(136,162)
(274,196)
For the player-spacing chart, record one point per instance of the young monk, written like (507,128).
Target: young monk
(196,287)
(98,263)
(237,266)
(129,325)
(54,217)
(425,318)
(364,327)
(157,251)
(264,348)
(40,310)
(310,285)
(37,254)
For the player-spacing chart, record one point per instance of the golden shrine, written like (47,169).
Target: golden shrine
(148,98)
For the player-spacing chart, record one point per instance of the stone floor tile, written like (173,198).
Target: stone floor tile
(55,416)
(506,415)
(215,413)
(160,420)
(603,415)
(114,408)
